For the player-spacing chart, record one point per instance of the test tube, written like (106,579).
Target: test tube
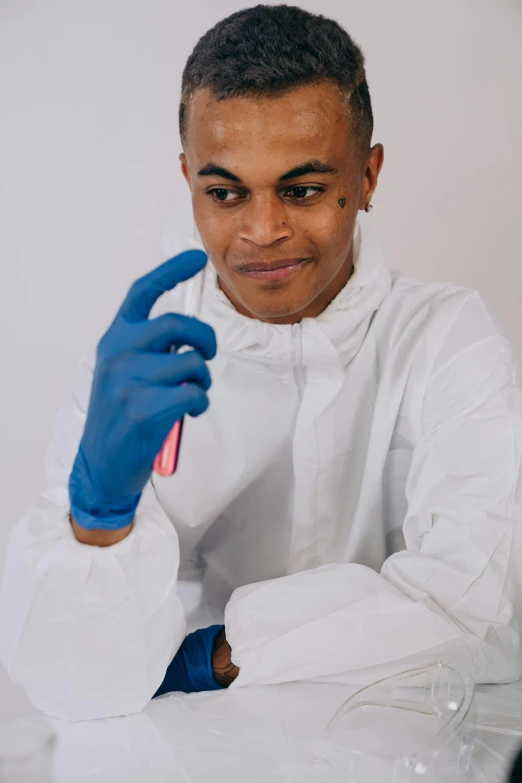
(166,461)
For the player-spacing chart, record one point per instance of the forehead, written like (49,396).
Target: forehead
(309,120)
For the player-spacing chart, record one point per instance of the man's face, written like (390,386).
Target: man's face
(281,242)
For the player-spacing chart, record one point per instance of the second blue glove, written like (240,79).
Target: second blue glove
(191,668)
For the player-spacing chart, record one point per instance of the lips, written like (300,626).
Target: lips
(268,266)
(274,270)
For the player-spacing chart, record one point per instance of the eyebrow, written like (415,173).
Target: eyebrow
(309,167)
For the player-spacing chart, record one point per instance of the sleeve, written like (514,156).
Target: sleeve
(455,592)
(88,631)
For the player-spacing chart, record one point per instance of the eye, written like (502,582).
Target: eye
(301,188)
(223,194)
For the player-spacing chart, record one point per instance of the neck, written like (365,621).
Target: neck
(312,310)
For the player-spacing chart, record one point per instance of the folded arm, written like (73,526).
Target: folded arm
(457,588)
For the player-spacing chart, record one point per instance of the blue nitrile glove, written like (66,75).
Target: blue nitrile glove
(191,668)
(137,396)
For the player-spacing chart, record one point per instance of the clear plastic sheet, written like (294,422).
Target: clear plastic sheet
(254,734)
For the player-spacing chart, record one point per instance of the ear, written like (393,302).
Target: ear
(373,166)
(184,167)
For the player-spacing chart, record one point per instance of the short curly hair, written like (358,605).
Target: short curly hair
(270,49)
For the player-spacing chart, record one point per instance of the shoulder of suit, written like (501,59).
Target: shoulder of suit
(411,296)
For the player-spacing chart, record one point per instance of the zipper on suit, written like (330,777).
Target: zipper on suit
(297,331)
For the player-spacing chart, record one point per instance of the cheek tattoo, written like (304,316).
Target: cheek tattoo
(342,202)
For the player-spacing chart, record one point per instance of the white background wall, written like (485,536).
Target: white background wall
(89,174)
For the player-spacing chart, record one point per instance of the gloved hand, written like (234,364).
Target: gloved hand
(191,668)
(137,396)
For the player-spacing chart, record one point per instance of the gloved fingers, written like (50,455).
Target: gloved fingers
(161,406)
(147,289)
(159,334)
(166,369)
(191,397)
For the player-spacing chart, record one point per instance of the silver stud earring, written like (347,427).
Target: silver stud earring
(368,207)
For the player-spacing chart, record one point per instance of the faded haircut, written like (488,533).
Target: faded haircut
(267,50)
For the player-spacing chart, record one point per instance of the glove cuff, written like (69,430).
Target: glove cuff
(89,508)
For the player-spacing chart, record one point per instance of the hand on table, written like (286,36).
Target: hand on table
(225,672)
(202,663)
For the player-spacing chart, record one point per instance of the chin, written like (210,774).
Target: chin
(273,310)
(279,303)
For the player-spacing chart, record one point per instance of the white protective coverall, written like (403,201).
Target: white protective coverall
(350,503)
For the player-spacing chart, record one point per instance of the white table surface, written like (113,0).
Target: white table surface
(251,735)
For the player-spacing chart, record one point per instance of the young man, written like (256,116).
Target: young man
(350,501)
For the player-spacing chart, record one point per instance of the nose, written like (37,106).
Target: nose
(264,220)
